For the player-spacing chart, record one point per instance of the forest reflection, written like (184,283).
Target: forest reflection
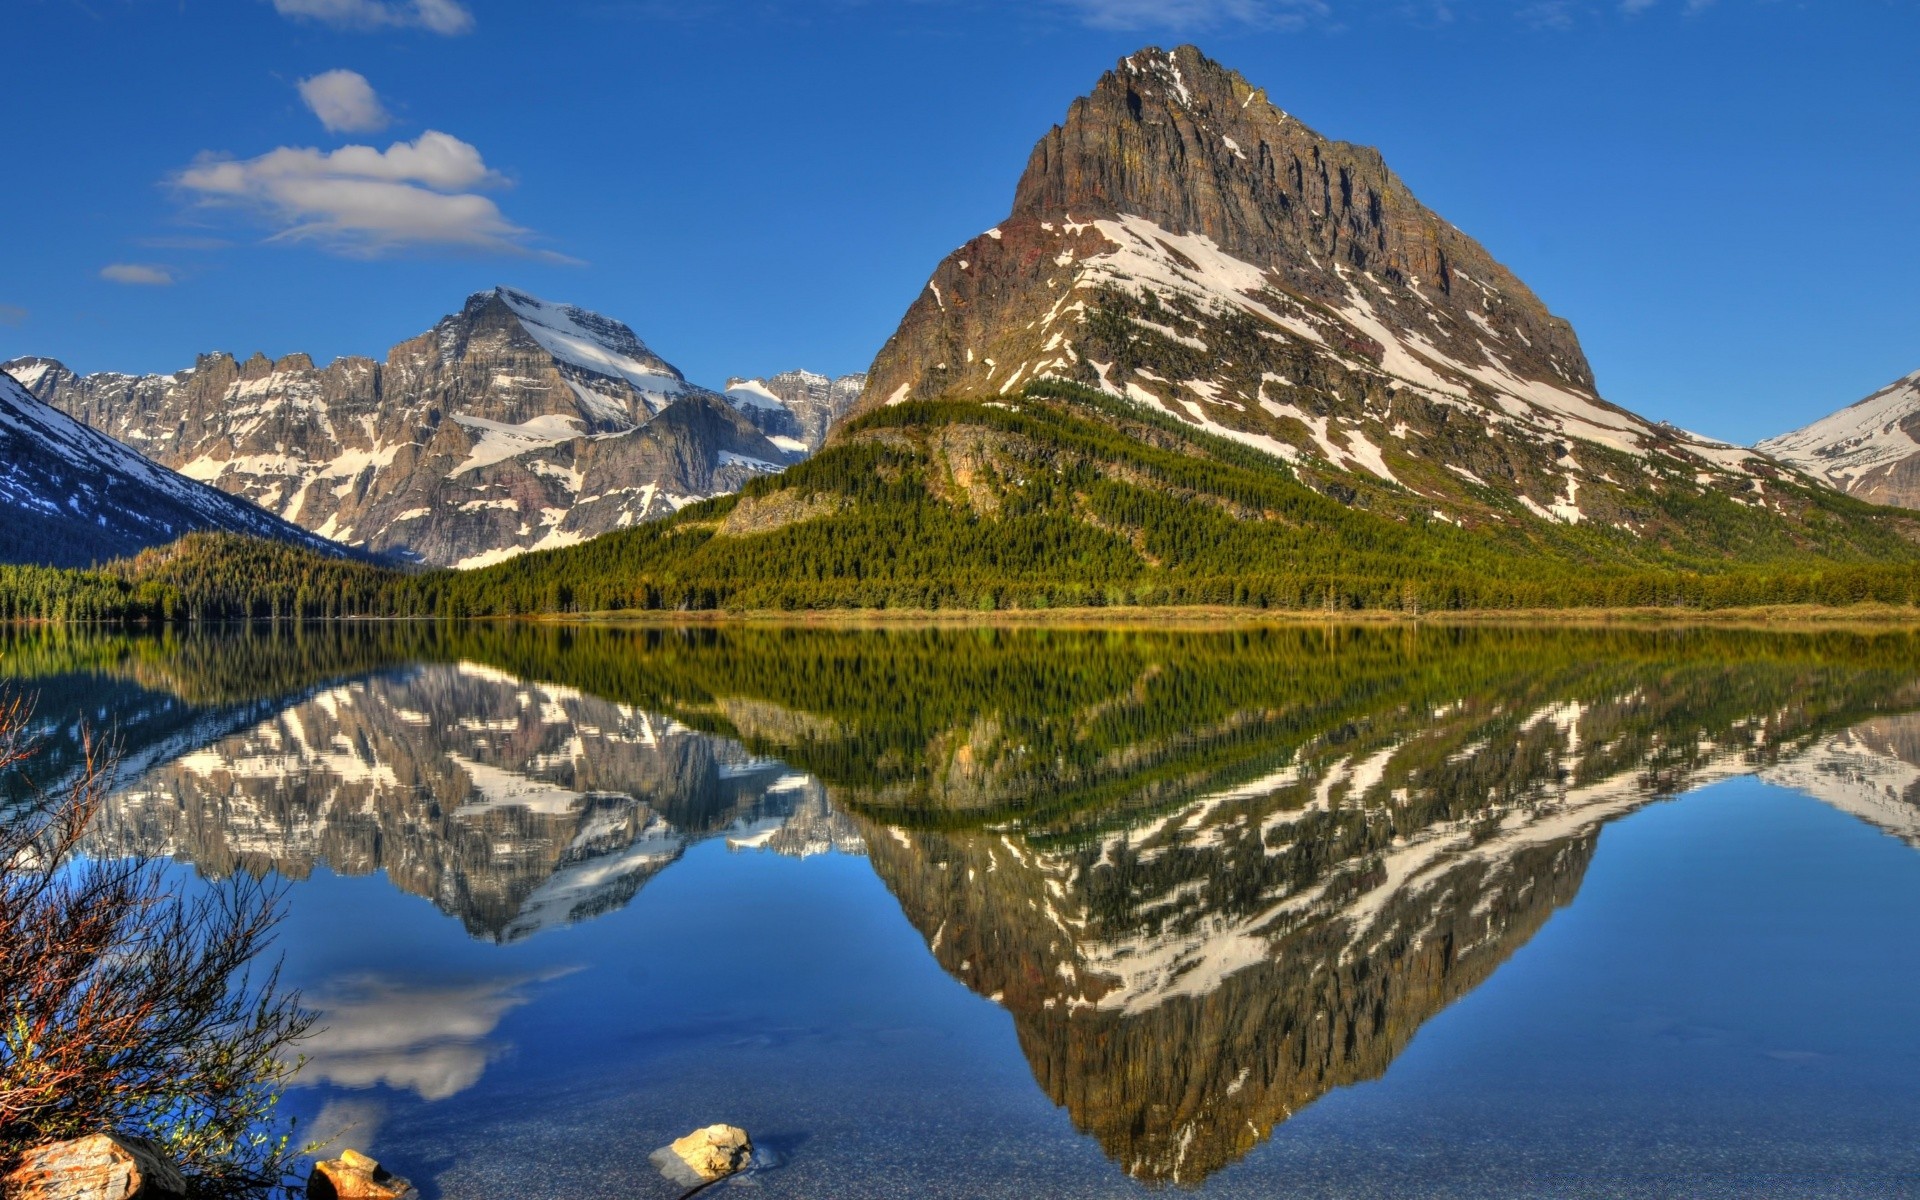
(1211,875)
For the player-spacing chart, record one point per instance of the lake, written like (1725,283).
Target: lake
(1326,912)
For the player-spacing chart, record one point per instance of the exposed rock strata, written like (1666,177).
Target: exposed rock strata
(513,424)
(1182,243)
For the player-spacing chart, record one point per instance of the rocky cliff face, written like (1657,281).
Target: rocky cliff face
(1181,242)
(72,496)
(796,406)
(513,424)
(1870,450)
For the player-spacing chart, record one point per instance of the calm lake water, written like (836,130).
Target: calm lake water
(1296,912)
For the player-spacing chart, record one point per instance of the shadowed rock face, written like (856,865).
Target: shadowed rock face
(1196,149)
(511,424)
(1181,242)
(72,497)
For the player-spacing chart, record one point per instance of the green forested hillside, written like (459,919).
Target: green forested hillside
(1063,497)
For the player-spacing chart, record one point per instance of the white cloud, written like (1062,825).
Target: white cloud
(1198,14)
(139,274)
(433,1041)
(344,102)
(12,314)
(366,202)
(445,17)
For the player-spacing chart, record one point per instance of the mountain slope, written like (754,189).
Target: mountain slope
(72,496)
(1870,450)
(513,423)
(1182,243)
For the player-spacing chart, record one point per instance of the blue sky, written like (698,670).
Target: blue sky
(1720,195)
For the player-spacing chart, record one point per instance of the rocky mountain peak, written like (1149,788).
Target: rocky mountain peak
(1180,242)
(1194,148)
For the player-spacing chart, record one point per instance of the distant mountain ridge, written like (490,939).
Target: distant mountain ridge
(513,424)
(1870,449)
(799,406)
(71,496)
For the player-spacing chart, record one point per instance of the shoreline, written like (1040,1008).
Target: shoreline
(1785,616)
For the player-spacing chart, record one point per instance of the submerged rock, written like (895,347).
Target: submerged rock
(706,1155)
(354,1176)
(100,1167)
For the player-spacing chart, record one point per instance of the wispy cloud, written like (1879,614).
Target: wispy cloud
(446,17)
(1198,14)
(1549,14)
(137,274)
(183,242)
(364,202)
(12,314)
(345,102)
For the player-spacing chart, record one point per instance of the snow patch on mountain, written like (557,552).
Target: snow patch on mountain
(1857,440)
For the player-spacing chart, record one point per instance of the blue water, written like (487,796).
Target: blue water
(1726,1009)
(1437,929)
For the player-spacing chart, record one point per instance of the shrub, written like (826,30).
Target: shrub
(125,1007)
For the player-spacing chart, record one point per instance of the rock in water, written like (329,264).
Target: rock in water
(354,1176)
(100,1167)
(706,1154)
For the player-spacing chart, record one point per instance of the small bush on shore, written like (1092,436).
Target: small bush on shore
(124,1007)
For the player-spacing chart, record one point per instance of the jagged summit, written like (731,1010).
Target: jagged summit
(514,423)
(1870,449)
(1181,141)
(1181,242)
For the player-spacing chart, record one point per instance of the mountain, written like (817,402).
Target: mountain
(1870,450)
(72,496)
(796,407)
(1213,357)
(1182,243)
(513,424)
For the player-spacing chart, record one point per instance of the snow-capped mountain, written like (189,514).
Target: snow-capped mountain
(511,425)
(1182,243)
(795,409)
(71,496)
(1870,449)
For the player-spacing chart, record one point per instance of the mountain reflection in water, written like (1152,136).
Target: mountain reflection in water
(1211,876)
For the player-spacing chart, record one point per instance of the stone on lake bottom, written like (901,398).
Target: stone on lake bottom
(354,1176)
(706,1154)
(100,1167)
